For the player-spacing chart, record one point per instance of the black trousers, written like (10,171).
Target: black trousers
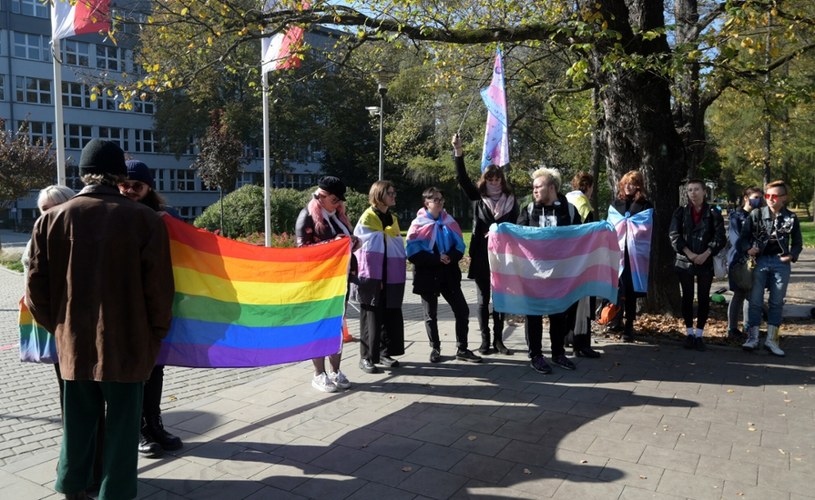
(629,297)
(558,328)
(461,311)
(381,332)
(483,292)
(703,279)
(151,406)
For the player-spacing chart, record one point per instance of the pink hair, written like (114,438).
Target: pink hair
(316,213)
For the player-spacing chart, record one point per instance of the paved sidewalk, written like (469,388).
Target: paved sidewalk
(644,421)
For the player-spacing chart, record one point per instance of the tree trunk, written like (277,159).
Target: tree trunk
(640,135)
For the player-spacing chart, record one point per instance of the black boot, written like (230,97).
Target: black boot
(582,347)
(151,412)
(167,441)
(484,326)
(498,328)
(628,333)
(148,447)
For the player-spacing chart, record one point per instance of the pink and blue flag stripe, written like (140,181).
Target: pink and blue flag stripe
(496,134)
(634,233)
(539,271)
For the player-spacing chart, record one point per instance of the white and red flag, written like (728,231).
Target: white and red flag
(280,51)
(79,17)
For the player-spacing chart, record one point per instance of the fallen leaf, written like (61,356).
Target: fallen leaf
(643,477)
(527,471)
(472,438)
(584,461)
(730,391)
(781,451)
(407,468)
(751,429)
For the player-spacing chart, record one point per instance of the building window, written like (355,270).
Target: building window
(115,134)
(107,102)
(143,106)
(30,8)
(77,136)
(39,132)
(2,87)
(75,95)
(31,46)
(182,180)
(72,178)
(109,58)
(146,141)
(33,90)
(76,53)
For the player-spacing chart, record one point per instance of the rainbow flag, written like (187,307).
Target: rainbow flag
(37,345)
(240,305)
(634,233)
(538,271)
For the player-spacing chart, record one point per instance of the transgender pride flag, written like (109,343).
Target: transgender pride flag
(634,234)
(538,271)
(241,305)
(496,135)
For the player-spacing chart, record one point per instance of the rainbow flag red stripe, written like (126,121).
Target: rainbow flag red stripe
(240,305)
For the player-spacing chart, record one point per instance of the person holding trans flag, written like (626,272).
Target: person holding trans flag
(632,215)
(493,203)
(435,246)
(380,286)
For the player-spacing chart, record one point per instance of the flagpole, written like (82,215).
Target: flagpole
(267,198)
(59,132)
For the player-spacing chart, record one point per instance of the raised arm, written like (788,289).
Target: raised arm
(461,173)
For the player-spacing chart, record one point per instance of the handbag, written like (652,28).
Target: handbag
(741,274)
(37,345)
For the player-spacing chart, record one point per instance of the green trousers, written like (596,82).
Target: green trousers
(82,405)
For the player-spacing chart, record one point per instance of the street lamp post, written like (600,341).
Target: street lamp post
(382,91)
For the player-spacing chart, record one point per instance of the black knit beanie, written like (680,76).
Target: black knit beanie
(102,157)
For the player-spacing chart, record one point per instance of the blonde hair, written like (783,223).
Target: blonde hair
(552,176)
(55,195)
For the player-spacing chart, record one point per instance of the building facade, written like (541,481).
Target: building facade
(27,93)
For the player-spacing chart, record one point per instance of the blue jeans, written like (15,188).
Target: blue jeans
(772,274)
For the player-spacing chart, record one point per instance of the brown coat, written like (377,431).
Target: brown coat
(101,279)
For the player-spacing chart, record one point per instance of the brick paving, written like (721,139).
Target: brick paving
(644,421)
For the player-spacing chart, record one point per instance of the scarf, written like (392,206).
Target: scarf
(425,233)
(499,206)
(329,216)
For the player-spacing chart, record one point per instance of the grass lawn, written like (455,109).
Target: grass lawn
(808,233)
(11,260)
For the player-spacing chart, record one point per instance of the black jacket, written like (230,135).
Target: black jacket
(482,220)
(531,214)
(708,234)
(759,226)
(431,276)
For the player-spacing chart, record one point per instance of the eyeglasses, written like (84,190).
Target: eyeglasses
(331,198)
(773,197)
(133,185)
(436,200)
(390,193)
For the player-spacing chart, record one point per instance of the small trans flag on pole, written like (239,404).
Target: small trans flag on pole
(496,136)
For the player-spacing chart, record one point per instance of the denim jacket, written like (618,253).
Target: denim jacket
(760,225)
(708,234)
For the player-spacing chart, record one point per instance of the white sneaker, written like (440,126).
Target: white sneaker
(321,382)
(340,380)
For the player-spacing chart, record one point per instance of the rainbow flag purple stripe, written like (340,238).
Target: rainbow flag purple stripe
(539,271)
(241,305)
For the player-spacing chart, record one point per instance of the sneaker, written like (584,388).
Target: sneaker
(586,352)
(321,382)
(389,361)
(340,380)
(563,362)
(698,344)
(368,367)
(435,356)
(467,355)
(690,343)
(540,365)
